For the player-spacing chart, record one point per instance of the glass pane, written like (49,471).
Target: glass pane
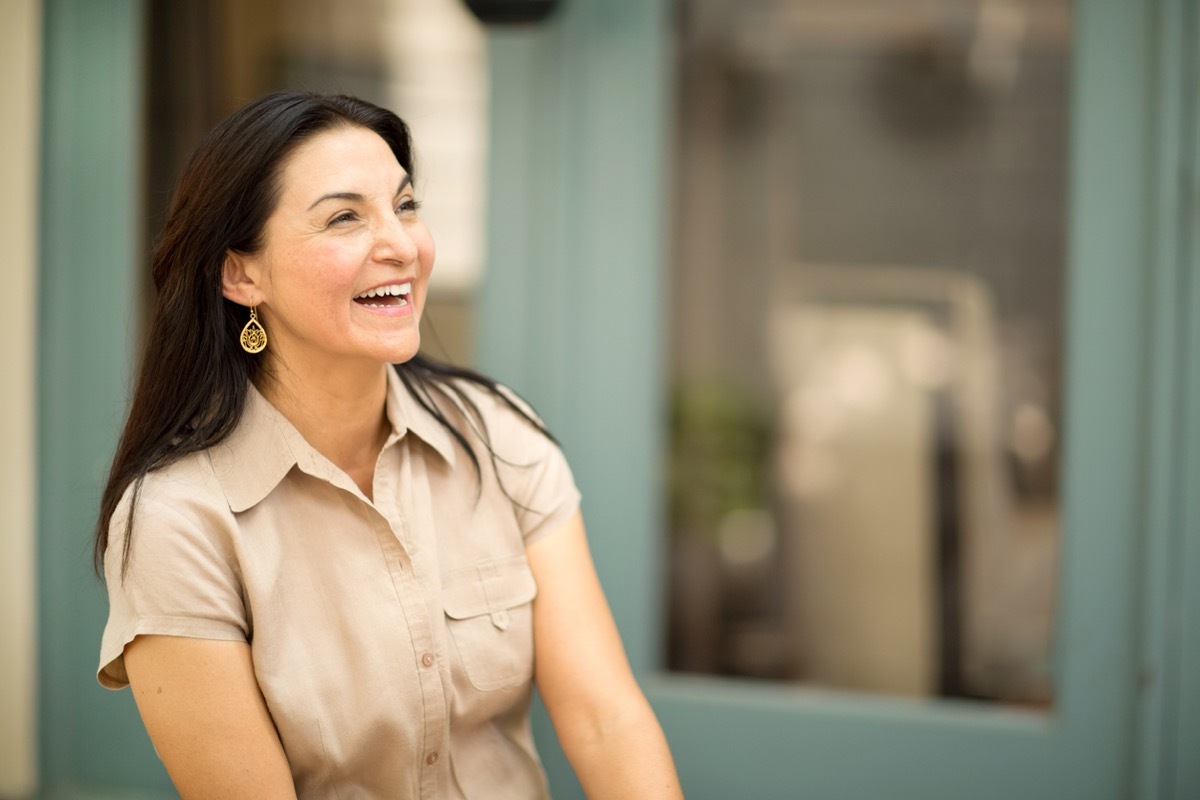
(866,343)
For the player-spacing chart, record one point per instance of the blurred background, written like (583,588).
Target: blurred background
(812,291)
(871,197)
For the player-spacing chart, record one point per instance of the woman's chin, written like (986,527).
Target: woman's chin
(402,352)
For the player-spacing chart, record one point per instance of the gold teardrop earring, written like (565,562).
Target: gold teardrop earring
(254,337)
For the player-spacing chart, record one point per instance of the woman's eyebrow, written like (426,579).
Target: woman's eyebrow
(355,197)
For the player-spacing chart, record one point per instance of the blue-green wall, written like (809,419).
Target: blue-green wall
(90,740)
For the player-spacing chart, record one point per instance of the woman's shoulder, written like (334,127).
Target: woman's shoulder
(468,397)
(498,399)
(192,472)
(185,486)
(175,514)
(507,416)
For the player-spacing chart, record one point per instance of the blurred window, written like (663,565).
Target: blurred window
(866,343)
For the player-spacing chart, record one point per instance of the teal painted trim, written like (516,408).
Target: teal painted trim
(89,241)
(1107,339)
(1172,360)
(1185,770)
(611,312)
(75,792)
(958,716)
(570,309)
(525,213)
(736,739)
(571,297)
(518,301)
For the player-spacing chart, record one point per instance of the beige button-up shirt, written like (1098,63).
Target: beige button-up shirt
(391,639)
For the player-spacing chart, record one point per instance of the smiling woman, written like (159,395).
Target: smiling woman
(341,234)
(335,566)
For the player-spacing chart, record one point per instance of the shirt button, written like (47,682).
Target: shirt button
(431,759)
(427,660)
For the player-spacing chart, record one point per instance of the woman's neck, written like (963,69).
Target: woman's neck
(343,415)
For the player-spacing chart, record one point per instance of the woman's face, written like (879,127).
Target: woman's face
(342,274)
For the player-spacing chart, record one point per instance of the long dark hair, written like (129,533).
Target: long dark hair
(193,377)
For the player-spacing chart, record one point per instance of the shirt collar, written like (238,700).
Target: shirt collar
(265,446)
(406,414)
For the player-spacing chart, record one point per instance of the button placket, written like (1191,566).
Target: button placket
(412,586)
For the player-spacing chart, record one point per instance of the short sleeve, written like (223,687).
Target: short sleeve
(535,472)
(181,579)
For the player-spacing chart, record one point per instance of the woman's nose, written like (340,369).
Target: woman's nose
(395,241)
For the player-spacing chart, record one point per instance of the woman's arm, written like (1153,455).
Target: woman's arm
(607,729)
(204,712)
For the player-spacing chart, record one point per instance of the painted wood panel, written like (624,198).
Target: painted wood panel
(91,741)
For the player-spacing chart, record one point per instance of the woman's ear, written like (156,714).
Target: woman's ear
(238,279)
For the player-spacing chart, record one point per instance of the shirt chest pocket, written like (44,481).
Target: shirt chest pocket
(490,618)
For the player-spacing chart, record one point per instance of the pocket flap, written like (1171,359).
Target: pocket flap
(488,587)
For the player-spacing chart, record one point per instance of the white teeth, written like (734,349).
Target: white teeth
(391,290)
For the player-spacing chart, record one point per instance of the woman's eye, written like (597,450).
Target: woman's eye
(345,216)
(408,205)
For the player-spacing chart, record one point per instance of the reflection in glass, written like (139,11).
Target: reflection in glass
(866,343)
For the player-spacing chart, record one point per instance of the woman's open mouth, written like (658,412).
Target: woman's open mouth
(392,295)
